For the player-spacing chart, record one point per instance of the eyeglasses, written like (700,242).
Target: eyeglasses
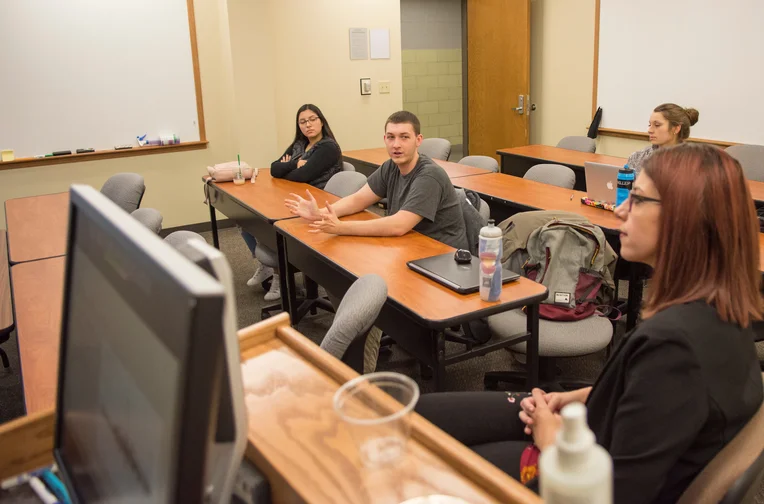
(639,199)
(311,120)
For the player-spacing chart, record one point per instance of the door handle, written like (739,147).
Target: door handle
(520,109)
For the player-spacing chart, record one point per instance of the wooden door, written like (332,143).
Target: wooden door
(498,54)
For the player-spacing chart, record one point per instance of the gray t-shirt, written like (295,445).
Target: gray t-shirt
(427,192)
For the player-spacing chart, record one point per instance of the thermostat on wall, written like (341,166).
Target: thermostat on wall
(365,86)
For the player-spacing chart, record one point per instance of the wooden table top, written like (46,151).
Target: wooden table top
(538,195)
(266,196)
(308,452)
(546,153)
(37,226)
(38,291)
(6,309)
(757,190)
(387,257)
(379,155)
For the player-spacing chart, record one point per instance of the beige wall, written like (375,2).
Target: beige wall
(562,66)
(254,74)
(311,64)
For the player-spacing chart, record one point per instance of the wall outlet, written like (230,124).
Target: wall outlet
(384,87)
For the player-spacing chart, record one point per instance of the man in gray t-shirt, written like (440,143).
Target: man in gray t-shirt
(425,191)
(419,192)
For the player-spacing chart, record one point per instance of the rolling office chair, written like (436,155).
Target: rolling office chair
(578,143)
(341,184)
(347,166)
(126,190)
(556,340)
(356,314)
(751,158)
(552,174)
(484,162)
(149,217)
(435,148)
(733,476)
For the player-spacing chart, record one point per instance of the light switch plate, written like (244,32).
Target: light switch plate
(366,86)
(384,87)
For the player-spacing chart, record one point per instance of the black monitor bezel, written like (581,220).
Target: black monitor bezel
(200,379)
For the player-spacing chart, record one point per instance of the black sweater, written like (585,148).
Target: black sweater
(323,160)
(675,391)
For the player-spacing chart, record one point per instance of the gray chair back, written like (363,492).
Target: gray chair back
(484,162)
(552,174)
(484,210)
(473,221)
(178,238)
(347,166)
(355,317)
(751,158)
(125,189)
(150,218)
(345,183)
(579,143)
(436,148)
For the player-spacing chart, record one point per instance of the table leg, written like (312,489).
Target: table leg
(286,279)
(311,289)
(532,345)
(439,360)
(214,226)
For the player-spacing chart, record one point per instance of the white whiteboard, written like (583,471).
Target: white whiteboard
(94,73)
(706,54)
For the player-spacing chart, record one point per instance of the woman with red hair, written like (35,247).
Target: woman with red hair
(686,380)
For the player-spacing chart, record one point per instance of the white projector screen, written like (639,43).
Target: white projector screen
(705,54)
(94,74)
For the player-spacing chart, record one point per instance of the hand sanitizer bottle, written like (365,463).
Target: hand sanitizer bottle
(576,470)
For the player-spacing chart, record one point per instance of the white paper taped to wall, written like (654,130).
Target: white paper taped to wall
(359,45)
(379,41)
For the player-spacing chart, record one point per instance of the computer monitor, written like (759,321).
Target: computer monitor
(142,364)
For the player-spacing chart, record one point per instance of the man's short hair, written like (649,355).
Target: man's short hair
(404,117)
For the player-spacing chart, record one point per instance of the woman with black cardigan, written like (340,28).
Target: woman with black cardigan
(313,157)
(686,380)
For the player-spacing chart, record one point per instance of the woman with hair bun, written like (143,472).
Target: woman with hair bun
(669,125)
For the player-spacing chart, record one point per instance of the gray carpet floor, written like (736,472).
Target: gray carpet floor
(464,376)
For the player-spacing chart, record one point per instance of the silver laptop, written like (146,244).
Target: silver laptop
(601,181)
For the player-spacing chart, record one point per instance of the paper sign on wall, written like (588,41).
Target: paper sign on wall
(379,40)
(359,44)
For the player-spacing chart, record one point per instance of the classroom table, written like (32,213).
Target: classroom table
(418,310)
(757,192)
(37,227)
(307,451)
(518,160)
(508,195)
(367,161)
(38,290)
(255,207)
